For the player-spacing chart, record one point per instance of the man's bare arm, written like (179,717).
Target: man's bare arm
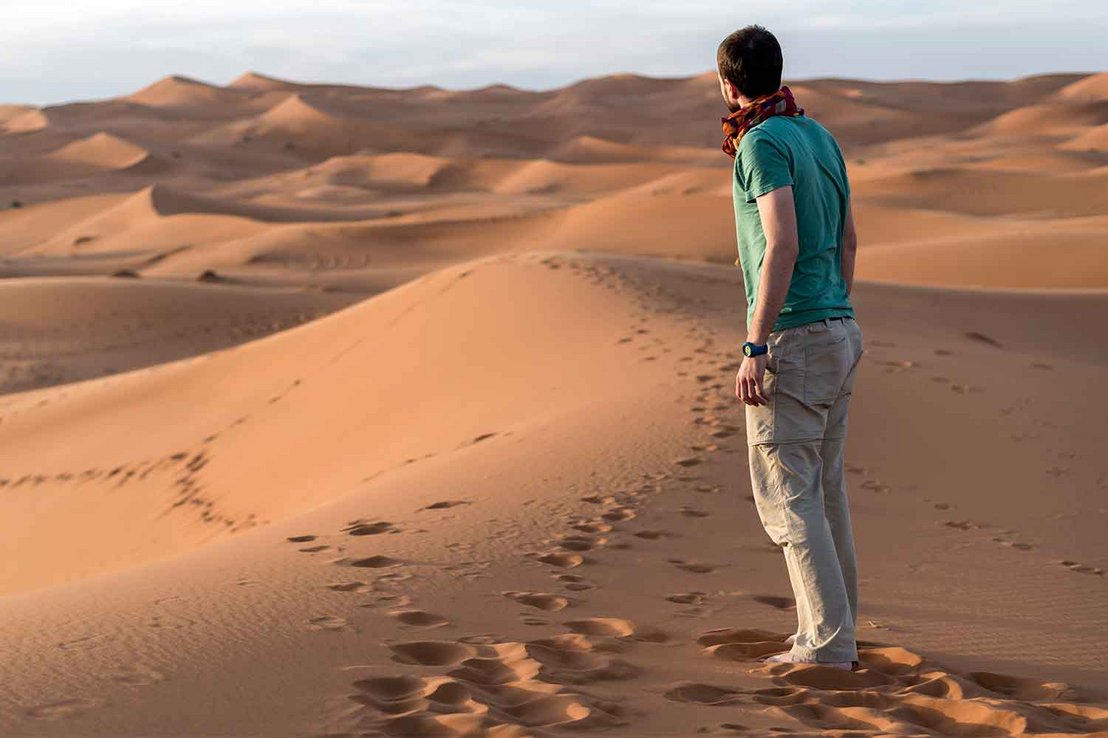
(778,213)
(850,248)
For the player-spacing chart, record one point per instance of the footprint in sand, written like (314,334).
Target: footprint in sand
(581,543)
(393,577)
(431,653)
(135,675)
(351,587)
(907,694)
(61,709)
(561,559)
(982,338)
(741,644)
(539,600)
(576,658)
(328,622)
(387,599)
(1080,568)
(1023,689)
(85,643)
(592,527)
(375,562)
(704,694)
(779,603)
(694,566)
(688,598)
(574,582)
(652,534)
(420,618)
(314,549)
(610,627)
(617,514)
(444,504)
(301,539)
(170,622)
(964,524)
(692,512)
(528,619)
(492,689)
(873,484)
(1013,544)
(360,528)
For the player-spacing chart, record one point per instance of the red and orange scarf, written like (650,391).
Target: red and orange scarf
(742,120)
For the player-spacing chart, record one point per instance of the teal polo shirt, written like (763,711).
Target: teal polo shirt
(798,151)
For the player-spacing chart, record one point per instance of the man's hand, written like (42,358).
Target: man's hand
(748,382)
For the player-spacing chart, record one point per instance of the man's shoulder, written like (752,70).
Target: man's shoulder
(821,131)
(760,135)
(799,132)
(782,131)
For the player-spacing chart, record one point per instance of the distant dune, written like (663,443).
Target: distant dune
(275,152)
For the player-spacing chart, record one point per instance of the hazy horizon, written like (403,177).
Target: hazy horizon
(223,83)
(115,47)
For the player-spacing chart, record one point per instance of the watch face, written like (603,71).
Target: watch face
(746,350)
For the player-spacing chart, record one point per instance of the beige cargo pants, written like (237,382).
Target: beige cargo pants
(796,444)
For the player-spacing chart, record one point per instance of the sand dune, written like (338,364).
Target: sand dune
(10,110)
(333,410)
(100,152)
(1091,140)
(149,219)
(301,125)
(27,121)
(258,81)
(981,192)
(183,93)
(262,153)
(66,330)
(1093,88)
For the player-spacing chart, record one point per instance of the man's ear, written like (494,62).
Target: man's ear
(732,90)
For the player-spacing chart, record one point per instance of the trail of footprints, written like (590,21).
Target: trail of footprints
(487,684)
(1000,537)
(896,691)
(184,466)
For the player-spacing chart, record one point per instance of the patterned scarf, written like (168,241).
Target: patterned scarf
(742,120)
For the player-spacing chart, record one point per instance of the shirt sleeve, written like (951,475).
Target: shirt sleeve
(761,166)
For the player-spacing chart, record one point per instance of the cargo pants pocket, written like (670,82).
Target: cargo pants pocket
(826,362)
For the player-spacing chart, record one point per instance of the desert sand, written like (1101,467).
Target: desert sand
(343,411)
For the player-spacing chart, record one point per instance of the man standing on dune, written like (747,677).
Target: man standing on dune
(796,245)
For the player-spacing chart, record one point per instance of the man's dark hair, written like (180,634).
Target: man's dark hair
(751,59)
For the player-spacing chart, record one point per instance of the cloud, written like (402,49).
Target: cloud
(57,51)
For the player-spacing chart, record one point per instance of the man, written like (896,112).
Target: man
(796,244)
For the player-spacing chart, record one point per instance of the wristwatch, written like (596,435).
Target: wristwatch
(753,349)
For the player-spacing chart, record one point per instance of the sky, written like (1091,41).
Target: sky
(56,51)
